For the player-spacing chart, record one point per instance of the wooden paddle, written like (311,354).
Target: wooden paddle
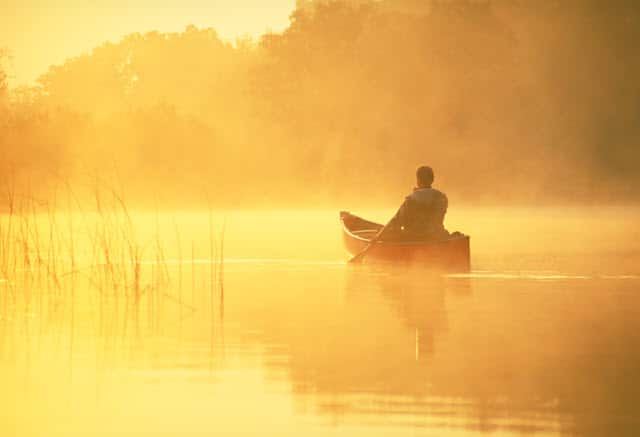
(358,257)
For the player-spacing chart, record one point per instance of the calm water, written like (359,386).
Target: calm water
(542,337)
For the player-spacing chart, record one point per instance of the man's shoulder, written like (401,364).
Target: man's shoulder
(426,193)
(439,193)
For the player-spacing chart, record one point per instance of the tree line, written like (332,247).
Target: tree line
(510,101)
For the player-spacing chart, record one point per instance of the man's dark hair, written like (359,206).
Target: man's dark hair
(424,175)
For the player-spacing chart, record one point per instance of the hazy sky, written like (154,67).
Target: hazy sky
(39,33)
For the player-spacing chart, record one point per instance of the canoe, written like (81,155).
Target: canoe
(451,254)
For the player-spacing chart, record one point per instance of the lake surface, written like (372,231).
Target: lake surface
(542,337)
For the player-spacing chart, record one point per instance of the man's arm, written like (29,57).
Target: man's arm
(398,220)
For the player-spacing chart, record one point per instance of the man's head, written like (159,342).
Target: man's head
(424,177)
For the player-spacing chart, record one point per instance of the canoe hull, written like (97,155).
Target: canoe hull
(452,254)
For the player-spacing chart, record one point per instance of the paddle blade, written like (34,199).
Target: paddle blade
(356,259)
(359,256)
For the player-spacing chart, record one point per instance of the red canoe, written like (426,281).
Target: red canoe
(451,254)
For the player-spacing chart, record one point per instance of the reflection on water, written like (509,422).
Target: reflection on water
(308,345)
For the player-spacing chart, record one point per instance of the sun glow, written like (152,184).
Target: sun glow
(40,34)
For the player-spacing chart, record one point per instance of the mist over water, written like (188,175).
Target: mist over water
(540,337)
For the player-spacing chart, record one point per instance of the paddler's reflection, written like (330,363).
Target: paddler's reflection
(416,296)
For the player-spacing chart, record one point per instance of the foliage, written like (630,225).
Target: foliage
(535,100)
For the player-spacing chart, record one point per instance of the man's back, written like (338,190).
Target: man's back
(421,216)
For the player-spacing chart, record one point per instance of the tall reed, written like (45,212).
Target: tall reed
(94,251)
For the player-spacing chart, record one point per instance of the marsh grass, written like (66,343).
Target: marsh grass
(64,259)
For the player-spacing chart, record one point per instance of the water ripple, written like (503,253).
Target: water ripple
(539,276)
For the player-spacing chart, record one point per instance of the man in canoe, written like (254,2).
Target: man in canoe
(421,216)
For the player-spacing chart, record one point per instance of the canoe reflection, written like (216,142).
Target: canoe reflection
(435,351)
(419,303)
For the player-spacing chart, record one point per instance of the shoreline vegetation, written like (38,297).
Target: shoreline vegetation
(511,102)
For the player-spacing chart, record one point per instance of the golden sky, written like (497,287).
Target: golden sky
(39,33)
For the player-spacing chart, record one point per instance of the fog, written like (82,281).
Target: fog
(511,102)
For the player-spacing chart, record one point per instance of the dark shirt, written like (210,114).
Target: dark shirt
(420,217)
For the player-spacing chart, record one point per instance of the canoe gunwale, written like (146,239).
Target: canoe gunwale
(355,236)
